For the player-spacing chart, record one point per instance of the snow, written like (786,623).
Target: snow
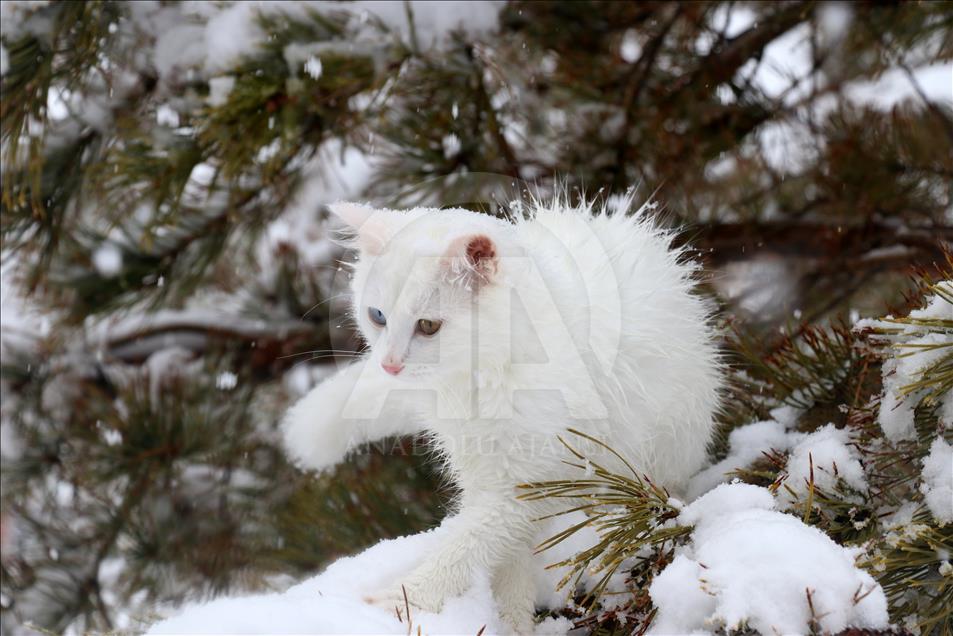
(107,259)
(178,47)
(337,173)
(269,151)
(219,89)
(313,67)
(297,380)
(213,38)
(788,58)
(761,286)
(834,19)
(750,565)
(726,499)
(790,144)
(937,306)
(167,116)
(827,450)
(226,381)
(937,486)
(17,16)
(233,32)
(922,353)
(787,415)
(433,20)
(631,49)
(332,602)
(197,188)
(746,444)
(57,103)
(451,146)
(744,555)
(895,86)
(141,335)
(916,349)
(166,364)
(23,321)
(896,414)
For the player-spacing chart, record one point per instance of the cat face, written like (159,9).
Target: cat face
(416,284)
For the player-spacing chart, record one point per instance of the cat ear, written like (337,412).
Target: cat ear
(473,260)
(370,228)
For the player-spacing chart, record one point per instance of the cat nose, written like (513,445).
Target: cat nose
(393,369)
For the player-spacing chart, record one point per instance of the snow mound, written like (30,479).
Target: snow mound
(749,565)
(332,602)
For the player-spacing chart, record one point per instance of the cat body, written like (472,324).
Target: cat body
(495,337)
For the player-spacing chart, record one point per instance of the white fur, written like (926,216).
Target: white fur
(581,320)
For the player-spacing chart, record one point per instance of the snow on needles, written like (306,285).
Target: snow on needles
(107,259)
(214,37)
(896,414)
(937,486)
(750,565)
(746,443)
(918,349)
(822,458)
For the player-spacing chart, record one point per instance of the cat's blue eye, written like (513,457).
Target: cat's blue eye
(376,316)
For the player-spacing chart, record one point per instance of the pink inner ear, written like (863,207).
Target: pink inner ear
(478,252)
(480,248)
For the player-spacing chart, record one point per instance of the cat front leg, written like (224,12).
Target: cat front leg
(480,538)
(337,416)
(515,591)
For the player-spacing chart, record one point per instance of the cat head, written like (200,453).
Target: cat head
(423,285)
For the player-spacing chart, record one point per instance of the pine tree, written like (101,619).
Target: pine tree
(169,285)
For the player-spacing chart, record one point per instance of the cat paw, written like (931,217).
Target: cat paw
(313,435)
(517,618)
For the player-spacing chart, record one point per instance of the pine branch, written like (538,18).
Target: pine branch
(628,511)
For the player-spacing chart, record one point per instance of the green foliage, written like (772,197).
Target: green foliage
(919,591)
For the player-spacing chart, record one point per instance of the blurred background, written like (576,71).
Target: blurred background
(169,285)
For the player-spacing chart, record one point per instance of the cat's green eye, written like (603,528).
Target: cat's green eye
(376,316)
(428,327)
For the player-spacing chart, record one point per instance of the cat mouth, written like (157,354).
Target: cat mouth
(408,373)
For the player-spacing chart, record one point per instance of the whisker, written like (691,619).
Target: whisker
(343,352)
(326,300)
(323,357)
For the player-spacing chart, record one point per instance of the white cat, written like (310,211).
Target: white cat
(494,337)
